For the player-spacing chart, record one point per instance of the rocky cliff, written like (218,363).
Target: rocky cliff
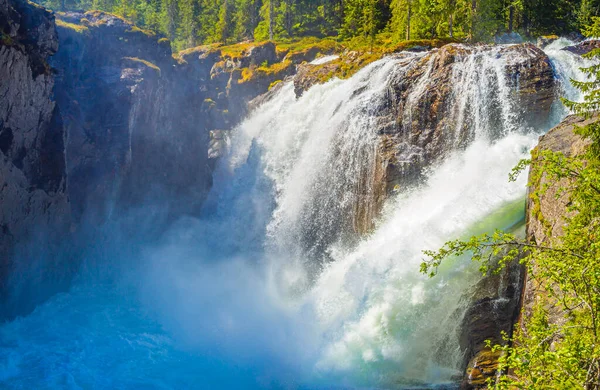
(33,202)
(545,221)
(136,133)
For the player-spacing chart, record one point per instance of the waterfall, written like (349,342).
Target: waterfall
(304,269)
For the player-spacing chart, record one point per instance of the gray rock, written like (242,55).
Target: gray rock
(33,203)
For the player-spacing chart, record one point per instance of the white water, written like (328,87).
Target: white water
(324,59)
(271,288)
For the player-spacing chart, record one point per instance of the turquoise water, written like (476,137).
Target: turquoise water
(100,337)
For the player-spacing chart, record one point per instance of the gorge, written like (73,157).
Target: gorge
(219,220)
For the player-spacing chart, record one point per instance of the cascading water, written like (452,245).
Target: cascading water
(290,279)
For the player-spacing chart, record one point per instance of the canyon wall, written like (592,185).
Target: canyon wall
(33,200)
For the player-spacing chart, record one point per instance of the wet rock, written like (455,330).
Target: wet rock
(217,145)
(423,119)
(493,310)
(482,367)
(544,41)
(309,75)
(575,36)
(584,47)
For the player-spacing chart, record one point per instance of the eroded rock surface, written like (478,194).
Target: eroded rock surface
(136,133)
(33,203)
(546,222)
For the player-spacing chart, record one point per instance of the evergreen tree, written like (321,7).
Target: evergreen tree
(192,22)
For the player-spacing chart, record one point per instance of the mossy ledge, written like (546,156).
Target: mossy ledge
(142,61)
(78,28)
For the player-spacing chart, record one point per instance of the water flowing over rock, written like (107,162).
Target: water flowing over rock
(330,190)
(32,160)
(442,100)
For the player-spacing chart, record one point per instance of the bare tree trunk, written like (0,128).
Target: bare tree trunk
(511,17)
(451,18)
(171,15)
(473,17)
(271,21)
(408,16)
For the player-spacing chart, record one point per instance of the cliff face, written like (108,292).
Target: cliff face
(546,222)
(145,127)
(135,134)
(32,160)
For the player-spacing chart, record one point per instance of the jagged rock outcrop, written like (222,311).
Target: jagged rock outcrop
(229,81)
(435,98)
(425,117)
(33,203)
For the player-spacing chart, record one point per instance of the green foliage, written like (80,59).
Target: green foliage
(189,23)
(558,343)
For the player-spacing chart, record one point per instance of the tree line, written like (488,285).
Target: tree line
(189,23)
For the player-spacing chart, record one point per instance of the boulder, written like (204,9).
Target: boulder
(544,41)
(584,47)
(265,53)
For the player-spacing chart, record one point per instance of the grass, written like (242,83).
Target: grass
(274,72)
(142,61)
(148,33)
(354,55)
(360,53)
(78,28)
